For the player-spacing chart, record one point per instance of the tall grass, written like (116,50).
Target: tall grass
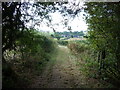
(86,57)
(87,60)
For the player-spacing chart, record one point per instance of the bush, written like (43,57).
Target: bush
(78,46)
(84,53)
(34,51)
(61,42)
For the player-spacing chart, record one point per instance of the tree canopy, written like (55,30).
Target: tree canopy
(104,35)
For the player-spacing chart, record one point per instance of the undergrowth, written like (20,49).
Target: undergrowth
(62,42)
(87,59)
(19,71)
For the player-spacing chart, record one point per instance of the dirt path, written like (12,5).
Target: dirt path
(62,72)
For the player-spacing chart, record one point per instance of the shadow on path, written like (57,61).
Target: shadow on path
(63,72)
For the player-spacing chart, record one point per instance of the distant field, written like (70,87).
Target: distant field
(74,39)
(71,39)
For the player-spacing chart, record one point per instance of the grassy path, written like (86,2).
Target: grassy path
(63,72)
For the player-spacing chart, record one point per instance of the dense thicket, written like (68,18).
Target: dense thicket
(12,26)
(23,50)
(104,35)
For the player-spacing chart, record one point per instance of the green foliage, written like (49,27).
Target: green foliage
(78,46)
(35,51)
(104,37)
(11,24)
(23,50)
(62,42)
(56,35)
(87,57)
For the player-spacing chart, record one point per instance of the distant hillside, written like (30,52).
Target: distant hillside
(70,34)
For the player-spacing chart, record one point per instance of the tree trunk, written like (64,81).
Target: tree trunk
(101,57)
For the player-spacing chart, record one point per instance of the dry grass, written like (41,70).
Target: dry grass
(74,39)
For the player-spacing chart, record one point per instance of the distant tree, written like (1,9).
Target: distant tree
(52,35)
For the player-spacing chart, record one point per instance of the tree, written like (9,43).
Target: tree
(103,35)
(16,35)
(12,25)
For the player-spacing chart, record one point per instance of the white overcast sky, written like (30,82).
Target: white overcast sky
(76,24)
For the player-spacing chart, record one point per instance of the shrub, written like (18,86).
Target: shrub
(62,42)
(34,51)
(78,46)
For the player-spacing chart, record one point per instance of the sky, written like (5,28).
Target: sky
(76,24)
